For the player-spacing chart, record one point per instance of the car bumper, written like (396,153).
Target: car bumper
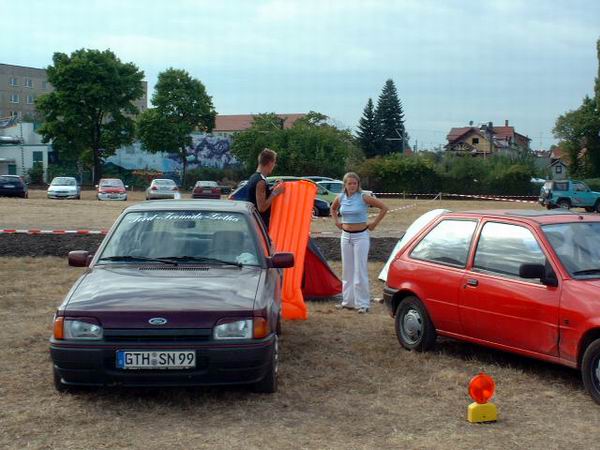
(115,197)
(215,364)
(12,193)
(55,195)
(388,299)
(161,195)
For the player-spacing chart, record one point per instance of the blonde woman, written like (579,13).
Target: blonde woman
(350,214)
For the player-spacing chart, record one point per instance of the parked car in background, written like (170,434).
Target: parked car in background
(569,194)
(332,188)
(111,189)
(13,186)
(162,188)
(64,188)
(321,207)
(178,293)
(317,179)
(520,281)
(206,189)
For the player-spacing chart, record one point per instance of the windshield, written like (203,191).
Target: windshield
(336,188)
(577,245)
(164,182)
(62,181)
(184,236)
(111,183)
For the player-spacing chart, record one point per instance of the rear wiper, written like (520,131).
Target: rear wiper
(586,272)
(203,259)
(137,258)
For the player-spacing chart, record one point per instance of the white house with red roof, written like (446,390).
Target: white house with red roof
(486,139)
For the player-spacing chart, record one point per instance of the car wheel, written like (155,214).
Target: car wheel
(597,207)
(315,211)
(590,370)
(268,385)
(414,328)
(566,204)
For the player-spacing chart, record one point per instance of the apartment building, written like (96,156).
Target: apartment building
(20,86)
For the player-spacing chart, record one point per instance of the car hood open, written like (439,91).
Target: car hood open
(187,296)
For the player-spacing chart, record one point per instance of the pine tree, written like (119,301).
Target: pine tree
(368,131)
(390,119)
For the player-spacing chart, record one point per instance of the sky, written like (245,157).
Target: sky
(453,61)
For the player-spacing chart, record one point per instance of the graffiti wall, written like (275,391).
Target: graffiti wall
(205,151)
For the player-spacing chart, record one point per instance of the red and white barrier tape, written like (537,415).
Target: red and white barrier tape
(488,197)
(55,232)
(412,195)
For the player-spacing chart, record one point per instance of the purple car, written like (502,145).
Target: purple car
(179,293)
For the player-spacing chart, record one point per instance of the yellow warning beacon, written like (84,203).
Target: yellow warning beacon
(481,389)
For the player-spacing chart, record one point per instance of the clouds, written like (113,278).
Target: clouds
(525,58)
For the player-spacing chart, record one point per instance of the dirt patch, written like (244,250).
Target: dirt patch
(61,245)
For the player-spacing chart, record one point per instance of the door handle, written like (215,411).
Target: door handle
(472,282)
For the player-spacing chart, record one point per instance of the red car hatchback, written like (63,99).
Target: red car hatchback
(520,281)
(206,189)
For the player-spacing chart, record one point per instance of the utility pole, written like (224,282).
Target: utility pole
(402,137)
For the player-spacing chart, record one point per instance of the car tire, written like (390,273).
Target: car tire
(597,207)
(590,370)
(563,203)
(414,328)
(315,211)
(268,385)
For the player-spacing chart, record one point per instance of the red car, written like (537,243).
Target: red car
(111,189)
(206,189)
(522,281)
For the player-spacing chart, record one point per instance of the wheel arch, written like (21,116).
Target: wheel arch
(400,296)
(585,341)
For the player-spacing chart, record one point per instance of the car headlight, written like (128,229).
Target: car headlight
(78,329)
(240,329)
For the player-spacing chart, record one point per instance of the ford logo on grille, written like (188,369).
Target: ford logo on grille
(157,321)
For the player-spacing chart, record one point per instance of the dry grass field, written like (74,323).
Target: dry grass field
(345,383)
(88,213)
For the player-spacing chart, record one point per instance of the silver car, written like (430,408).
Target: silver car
(162,188)
(64,187)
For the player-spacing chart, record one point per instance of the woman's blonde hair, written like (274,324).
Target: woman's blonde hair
(351,175)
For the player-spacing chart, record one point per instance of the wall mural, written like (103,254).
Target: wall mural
(205,151)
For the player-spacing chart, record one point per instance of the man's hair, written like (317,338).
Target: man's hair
(266,156)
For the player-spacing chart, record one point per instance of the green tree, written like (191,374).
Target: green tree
(310,147)
(390,119)
(368,131)
(181,105)
(88,115)
(580,128)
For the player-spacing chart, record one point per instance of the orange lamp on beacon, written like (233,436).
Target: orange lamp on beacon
(481,390)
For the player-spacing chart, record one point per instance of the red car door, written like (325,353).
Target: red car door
(500,307)
(437,265)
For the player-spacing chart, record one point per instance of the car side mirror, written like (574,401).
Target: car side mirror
(538,271)
(79,258)
(281,260)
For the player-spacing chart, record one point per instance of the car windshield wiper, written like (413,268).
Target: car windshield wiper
(137,258)
(203,259)
(586,272)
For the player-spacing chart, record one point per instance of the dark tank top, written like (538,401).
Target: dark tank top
(252,182)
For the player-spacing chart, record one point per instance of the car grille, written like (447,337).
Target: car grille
(152,335)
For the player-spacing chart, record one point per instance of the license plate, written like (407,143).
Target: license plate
(166,359)
(9,185)
(113,196)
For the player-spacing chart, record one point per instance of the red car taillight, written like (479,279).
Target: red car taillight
(215,190)
(174,188)
(154,188)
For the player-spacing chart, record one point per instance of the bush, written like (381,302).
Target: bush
(593,183)
(398,173)
(36,173)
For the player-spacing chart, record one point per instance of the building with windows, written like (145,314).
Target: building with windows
(486,139)
(20,86)
(20,148)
